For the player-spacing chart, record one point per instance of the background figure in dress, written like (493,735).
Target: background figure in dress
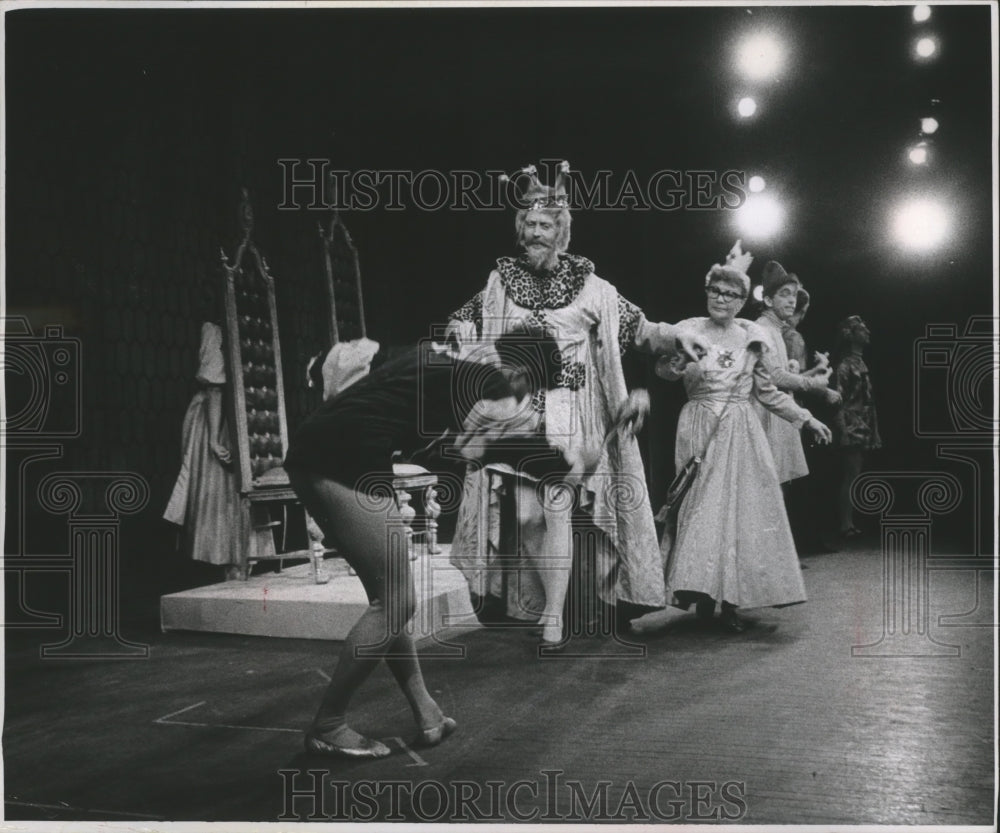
(340,464)
(811,500)
(205,498)
(733,544)
(857,422)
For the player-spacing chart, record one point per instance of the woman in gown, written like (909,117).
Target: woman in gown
(205,498)
(733,543)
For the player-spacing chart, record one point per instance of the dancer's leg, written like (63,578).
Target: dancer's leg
(547,541)
(378,554)
(405,667)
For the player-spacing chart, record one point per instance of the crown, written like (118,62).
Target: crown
(536,195)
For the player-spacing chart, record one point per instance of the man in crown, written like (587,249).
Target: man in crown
(549,289)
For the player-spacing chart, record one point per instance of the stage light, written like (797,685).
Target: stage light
(921,12)
(928,125)
(746,107)
(920,224)
(756,184)
(760,217)
(760,57)
(925,47)
(918,154)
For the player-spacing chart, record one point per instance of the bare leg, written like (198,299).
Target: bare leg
(383,565)
(547,541)
(405,667)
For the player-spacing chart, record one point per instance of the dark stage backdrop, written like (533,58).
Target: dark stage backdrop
(131,132)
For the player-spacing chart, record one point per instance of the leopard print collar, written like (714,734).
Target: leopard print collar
(549,290)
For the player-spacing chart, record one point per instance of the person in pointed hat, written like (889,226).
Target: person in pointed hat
(779,294)
(594,326)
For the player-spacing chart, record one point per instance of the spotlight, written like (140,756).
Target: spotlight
(925,47)
(746,107)
(760,57)
(756,184)
(928,125)
(918,154)
(920,224)
(760,217)
(921,12)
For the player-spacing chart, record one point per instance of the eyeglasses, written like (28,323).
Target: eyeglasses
(715,292)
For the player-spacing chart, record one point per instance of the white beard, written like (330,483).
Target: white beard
(538,257)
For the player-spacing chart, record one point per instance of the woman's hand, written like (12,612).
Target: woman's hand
(692,344)
(832,396)
(821,368)
(821,433)
(820,377)
(222,454)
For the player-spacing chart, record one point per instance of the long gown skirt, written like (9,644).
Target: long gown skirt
(205,499)
(733,541)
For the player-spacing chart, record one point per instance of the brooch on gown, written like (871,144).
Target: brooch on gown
(726,359)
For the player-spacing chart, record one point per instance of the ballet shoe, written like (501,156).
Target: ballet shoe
(436,734)
(367,748)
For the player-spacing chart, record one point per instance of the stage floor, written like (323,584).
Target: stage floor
(794,722)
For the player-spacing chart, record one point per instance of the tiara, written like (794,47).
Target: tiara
(536,195)
(738,258)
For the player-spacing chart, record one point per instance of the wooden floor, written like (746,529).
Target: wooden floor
(785,724)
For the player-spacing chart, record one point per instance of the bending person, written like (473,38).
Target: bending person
(335,462)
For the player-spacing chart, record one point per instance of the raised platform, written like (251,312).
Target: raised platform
(290,604)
